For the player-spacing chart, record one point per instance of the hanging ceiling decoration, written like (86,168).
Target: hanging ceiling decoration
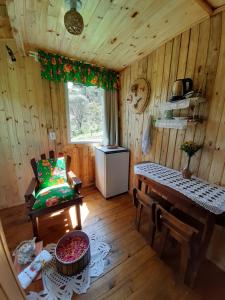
(72,19)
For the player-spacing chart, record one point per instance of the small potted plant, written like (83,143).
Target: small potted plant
(190,148)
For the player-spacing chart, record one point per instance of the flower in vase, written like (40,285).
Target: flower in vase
(190,148)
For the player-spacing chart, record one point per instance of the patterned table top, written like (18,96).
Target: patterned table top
(209,196)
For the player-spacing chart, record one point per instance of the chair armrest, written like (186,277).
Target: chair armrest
(73,180)
(31,188)
(29,197)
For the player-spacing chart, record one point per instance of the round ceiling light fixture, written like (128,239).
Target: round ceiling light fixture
(72,19)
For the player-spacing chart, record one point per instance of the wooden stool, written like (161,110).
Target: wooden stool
(186,235)
(148,201)
(143,200)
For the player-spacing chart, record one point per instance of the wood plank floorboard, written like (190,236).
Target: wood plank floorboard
(133,270)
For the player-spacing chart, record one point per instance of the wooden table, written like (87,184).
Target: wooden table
(187,205)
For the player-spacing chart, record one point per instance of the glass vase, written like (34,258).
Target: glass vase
(186,173)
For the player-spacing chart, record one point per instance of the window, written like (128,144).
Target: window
(85,113)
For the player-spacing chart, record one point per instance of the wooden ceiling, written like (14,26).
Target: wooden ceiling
(116,33)
(216,3)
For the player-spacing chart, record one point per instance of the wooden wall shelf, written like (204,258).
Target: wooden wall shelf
(180,104)
(175,124)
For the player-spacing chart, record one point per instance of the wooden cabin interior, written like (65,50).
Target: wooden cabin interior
(112,149)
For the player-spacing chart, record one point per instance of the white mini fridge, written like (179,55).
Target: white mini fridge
(111,170)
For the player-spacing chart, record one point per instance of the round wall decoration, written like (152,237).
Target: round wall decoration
(139,95)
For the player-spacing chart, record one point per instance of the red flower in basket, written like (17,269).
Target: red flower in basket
(72,249)
(60,60)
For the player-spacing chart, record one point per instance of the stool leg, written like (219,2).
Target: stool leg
(193,261)
(152,231)
(139,217)
(163,241)
(136,218)
(184,260)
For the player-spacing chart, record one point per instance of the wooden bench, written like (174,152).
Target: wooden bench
(187,235)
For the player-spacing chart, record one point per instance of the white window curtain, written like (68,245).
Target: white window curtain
(111,118)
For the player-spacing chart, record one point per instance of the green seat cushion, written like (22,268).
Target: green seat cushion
(53,195)
(51,171)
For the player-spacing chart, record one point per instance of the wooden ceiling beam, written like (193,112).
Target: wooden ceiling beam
(205,6)
(15,24)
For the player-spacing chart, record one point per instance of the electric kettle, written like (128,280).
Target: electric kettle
(181,87)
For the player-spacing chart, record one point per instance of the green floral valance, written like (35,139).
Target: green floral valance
(59,68)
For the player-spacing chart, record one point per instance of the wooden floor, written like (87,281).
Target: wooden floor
(133,269)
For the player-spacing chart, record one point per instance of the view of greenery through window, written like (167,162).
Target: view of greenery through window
(85,112)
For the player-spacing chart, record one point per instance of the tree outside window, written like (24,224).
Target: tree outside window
(85,113)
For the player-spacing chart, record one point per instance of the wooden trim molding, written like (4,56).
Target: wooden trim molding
(209,9)
(205,6)
(219,10)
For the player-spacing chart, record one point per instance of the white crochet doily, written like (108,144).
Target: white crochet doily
(57,286)
(209,196)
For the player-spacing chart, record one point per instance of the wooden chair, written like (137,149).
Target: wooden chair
(33,188)
(168,224)
(148,201)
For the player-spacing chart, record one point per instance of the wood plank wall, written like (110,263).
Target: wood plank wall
(29,106)
(198,53)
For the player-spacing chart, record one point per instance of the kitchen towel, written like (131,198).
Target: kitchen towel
(28,274)
(146,137)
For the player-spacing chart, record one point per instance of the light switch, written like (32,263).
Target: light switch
(52,135)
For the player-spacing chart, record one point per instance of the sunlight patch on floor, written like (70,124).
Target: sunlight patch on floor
(84,213)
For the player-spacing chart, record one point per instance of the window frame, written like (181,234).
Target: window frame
(99,141)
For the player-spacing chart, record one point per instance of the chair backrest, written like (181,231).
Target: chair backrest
(176,227)
(51,156)
(146,200)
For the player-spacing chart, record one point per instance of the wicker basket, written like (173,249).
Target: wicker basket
(76,266)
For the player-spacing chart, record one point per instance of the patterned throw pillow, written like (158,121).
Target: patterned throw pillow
(51,171)
(53,195)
